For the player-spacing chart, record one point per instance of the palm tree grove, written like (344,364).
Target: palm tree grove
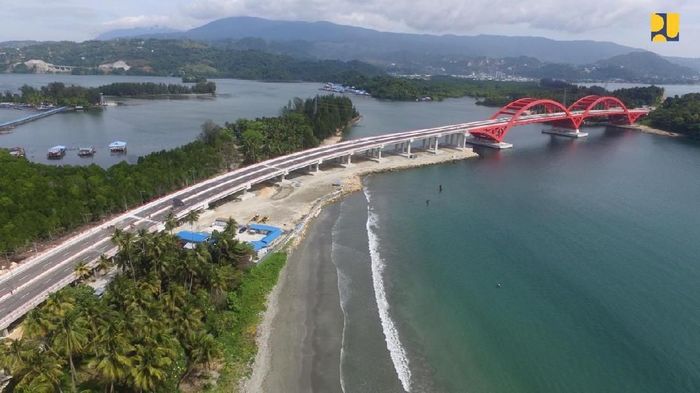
(159,322)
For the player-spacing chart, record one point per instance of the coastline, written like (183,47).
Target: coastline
(293,205)
(648,130)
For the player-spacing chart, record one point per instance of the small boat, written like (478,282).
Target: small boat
(79,108)
(17,152)
(56,152)
(86,151)
(117,147)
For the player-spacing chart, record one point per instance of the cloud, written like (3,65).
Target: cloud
(445,16)
(138,21)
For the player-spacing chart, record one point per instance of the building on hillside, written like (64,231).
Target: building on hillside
(117,65)
(42,67)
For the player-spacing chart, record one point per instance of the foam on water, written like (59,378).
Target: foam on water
(343,288)
(391,334)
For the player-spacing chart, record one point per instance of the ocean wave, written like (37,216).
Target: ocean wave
(391,334)
(343,288)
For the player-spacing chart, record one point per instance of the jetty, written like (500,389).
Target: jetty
(14,123)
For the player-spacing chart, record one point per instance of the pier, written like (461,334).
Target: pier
(14,123)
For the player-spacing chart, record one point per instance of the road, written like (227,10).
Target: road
(28,284)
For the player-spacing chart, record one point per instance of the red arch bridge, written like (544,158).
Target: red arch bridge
(566,121)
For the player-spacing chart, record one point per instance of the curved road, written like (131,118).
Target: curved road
(30,283)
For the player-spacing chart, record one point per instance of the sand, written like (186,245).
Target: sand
(648,130)
(299,337)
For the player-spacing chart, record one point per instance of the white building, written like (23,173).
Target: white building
(42,67)
(117,65)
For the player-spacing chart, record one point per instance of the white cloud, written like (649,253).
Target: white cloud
(443,16)
(138,21)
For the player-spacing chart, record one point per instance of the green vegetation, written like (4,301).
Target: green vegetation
(248,303)
(678,114)
(303,124)
(182,58)
(493,93)
(59,94)
(42,201)
(55,94)
(154,89)
(160,322)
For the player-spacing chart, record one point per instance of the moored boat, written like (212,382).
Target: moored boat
(17,152)
(86,151)
(56,152)
(117,147)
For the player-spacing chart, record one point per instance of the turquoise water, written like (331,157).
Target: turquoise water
(594,243)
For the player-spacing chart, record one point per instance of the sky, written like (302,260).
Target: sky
(623,21)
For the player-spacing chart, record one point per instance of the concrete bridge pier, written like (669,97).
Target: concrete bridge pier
(346,161)
(565,132)
(375,154)
(404,149)
(433,144)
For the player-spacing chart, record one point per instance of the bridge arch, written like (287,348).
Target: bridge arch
(511,114)
(590,103)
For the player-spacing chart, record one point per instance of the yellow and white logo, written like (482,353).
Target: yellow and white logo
(665,26)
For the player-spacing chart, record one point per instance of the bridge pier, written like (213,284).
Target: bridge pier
(434,148)
(565,132)
(347,160)
(474,141)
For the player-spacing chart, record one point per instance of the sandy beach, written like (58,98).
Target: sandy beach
(649,130)
(300,335)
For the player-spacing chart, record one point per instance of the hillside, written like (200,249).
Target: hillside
(135,32)
(178,57)
(332,41)
(642,66)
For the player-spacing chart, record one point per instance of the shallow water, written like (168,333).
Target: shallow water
(594,243)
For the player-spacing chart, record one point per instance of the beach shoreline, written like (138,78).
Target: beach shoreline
(649,130)
(293,205)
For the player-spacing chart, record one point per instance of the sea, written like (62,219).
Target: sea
(557,266)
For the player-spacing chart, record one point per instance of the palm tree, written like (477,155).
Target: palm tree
(231,227)
(170,222)
(70,339)
(192,217)
(103,264)
(112,360)
(82,270)
(43,373)
(150,365)
(14,355)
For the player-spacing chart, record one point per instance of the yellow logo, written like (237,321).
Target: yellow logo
(665,26)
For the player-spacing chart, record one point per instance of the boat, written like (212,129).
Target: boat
(117,147)
(17,152)
(56,153)
(86,151)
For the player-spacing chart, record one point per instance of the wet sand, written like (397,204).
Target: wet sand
(302,352)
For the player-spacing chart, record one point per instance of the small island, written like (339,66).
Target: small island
(59,94)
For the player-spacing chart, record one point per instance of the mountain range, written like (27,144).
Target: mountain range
(327,40)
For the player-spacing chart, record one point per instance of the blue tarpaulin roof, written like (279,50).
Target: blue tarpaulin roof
(193,237)
(272,234)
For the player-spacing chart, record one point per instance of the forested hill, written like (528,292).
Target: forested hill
(173,57)
(678,114)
